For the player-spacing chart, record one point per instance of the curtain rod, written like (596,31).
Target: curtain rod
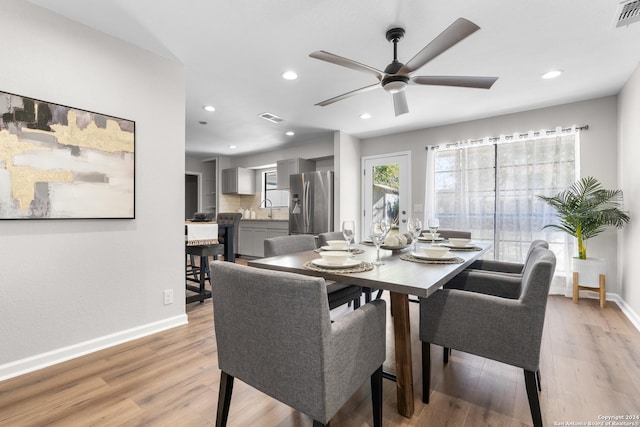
(511,137)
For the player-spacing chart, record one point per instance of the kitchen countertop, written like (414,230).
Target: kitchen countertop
(264,219)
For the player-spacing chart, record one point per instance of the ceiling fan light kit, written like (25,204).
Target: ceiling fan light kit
(396,76)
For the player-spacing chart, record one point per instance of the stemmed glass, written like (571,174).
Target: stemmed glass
(378,231)
(414,226)
(348,229)
(433,225)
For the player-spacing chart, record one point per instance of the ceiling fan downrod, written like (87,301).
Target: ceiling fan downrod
(393,83)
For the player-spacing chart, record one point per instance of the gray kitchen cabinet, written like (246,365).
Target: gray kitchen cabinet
(290,167)
(238,181)
(252,234)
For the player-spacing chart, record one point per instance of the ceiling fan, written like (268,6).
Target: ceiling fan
(396,76)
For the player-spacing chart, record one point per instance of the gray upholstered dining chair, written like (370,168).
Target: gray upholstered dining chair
(323,238)
(337,293)
(503,329)
(447,234)
(499,278)
(274,333)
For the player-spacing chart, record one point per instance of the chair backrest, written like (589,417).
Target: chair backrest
(331,235)
(284,245)
(532,246)
(447,234)
(537,276)
(272,330)
(231,218)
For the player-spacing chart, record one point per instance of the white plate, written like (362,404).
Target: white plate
(321,262)
(444,257)
(393,248)
(329,248)
(428,239)
(467,246)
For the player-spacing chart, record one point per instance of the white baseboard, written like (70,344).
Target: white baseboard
(633,317)
(39,361)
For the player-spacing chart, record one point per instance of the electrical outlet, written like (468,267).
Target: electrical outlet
(168,296)
(417,207)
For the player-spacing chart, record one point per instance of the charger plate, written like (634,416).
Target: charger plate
(362,267)
(463,248)
(409,257)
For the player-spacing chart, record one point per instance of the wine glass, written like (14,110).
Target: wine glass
(414,226)
(348,229)
(378,231)
(433,225)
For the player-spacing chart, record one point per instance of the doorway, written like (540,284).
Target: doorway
(192,184)
(386,190)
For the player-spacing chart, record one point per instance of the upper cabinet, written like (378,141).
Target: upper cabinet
(290,167)
(238,181)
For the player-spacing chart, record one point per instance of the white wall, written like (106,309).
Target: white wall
(629,153)
(74,286)
(348,178)
(598,151)
(319,147)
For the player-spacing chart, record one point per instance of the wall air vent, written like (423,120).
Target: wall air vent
(628,13)
(275,119)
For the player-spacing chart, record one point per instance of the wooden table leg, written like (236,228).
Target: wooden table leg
(404,368)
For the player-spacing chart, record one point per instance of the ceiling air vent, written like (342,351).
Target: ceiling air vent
(275,119)
(628,12)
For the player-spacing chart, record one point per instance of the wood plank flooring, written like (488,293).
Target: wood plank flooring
(590,367)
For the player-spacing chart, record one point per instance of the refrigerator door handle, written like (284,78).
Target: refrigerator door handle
(307,215)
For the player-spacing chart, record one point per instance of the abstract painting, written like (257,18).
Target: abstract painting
(59,162)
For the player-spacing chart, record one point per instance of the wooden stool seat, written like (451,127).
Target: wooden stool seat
(602,289)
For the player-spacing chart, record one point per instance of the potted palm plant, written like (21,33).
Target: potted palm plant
(586,209)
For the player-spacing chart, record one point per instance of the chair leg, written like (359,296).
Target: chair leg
(446,351)
(532,394)
(224,399)
(538,379)
(379,293)
(376,397)
(426,371)
(319,424)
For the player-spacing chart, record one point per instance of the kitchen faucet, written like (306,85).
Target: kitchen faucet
(270,207)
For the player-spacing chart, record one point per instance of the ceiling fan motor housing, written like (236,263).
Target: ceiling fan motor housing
(395,83)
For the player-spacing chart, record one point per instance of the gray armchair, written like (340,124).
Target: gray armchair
(499,278)
(337,293)
(447,234)
(502,329)
(274,333)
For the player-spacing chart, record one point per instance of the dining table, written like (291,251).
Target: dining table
(402,274)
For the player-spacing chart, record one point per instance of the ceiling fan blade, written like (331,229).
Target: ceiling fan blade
(462,81)
(454,33)
(345,62)
(348,94)
(400,103)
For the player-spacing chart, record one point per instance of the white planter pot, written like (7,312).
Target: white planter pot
(589,271)
(590,275)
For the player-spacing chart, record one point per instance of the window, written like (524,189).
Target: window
(491,189)
(278,198)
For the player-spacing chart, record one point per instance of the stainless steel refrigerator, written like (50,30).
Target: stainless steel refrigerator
(311,203)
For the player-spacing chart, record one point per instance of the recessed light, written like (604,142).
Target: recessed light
(231,146)
(365,116)
(290,133)
(209,108)
(289,75)
(552,74)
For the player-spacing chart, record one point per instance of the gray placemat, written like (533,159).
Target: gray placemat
(409,257)
(364,266)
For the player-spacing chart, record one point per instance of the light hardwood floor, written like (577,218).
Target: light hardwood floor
(590,367)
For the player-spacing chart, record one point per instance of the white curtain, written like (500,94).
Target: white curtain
(490,187)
